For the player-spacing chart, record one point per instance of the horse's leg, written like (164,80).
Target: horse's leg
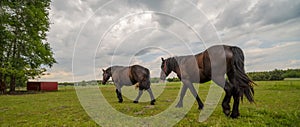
(227,98)
(235,109)
(220,80)
(119,93)
(235,93)
(151,96)
(194,92)
(138,97)
(182,93)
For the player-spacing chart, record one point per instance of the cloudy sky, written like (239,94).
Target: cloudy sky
(88,35)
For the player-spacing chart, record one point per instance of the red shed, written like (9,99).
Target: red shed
(42,86)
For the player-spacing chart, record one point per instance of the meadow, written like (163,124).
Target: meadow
(276,104)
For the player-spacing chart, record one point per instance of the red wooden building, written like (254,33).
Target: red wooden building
(42,86)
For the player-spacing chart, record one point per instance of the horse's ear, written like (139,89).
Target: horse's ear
(162,59)
(103,70)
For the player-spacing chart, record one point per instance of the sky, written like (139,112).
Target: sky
(87,36)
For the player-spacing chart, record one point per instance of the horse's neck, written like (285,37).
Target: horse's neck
(173,62)
(177,71)
(110,71)
(175,67)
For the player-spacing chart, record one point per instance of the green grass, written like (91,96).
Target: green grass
(277,104)
(60,108)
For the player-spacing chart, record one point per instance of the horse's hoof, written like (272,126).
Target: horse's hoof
(152,102)
(227,112)
(135,101)
(179,106)
(234,115)
(120,101)
(200,107)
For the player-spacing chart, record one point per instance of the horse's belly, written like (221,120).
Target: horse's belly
(203,78)
(122,80)
(127,83)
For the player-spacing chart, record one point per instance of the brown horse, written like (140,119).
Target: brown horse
(213,64)
(129,76)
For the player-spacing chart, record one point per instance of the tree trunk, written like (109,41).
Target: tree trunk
(2,85)
(12,84)
(14,63)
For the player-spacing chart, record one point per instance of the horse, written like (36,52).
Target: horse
(213,64)
(129,76)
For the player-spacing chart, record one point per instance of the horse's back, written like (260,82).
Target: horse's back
(120,75)
(219,55)
(217,60)
(130,75)
(139,73)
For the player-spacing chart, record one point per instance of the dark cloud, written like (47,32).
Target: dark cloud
(233,15)
(238,13)
(155,5)
(274,12)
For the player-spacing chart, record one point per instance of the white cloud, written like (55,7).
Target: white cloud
(277,56)
(252,43)
(58,75)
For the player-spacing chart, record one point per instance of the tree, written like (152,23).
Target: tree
(292,73)
(25,52)
(174,79)
(276,75)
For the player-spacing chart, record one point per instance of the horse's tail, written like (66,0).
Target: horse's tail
(147,80)
(245,84)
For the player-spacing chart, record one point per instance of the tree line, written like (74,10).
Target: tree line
(276,74)
(24,50)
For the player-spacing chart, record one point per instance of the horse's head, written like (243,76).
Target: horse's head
(165,70)
(106,75)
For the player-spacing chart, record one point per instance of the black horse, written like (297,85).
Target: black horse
(213,64)
(128,76)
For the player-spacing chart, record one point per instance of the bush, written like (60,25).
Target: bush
(174,79)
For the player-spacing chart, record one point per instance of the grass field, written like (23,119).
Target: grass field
(277,104)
